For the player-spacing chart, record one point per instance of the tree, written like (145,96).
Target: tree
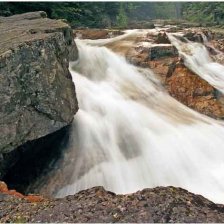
(178,9)
(204,12)
(122,19)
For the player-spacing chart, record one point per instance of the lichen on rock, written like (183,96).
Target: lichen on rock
(37,95)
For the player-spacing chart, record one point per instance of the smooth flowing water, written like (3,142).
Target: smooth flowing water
(196,57)
(129,134)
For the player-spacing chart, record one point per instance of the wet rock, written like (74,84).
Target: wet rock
(192,36)
(138,56)
(161,204)
(95,34)
(198,35)
(92,34)
(148,55)
(114,33)
(218,44)
(160,51)
(141,25)
(216,49)
(162,38)
(217,33)
(37,95)
(193,91)
(161,67)
(158,57)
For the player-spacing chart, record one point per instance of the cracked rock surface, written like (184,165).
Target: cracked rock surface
(37,95)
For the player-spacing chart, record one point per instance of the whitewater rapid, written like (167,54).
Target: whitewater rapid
(129,134)
(196,57)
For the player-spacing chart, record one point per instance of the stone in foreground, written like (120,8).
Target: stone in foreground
(161,204)
(37,95)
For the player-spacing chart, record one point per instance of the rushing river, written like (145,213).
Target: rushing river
(129,134)
(197,58)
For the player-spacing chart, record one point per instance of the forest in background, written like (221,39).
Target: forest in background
(120,14)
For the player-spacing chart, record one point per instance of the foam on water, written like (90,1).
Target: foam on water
(196,57)
(129,134)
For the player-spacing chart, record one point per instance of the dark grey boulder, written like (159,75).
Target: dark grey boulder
(37,95)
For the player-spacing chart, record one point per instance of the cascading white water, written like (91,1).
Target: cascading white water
(196,57)
(129,134)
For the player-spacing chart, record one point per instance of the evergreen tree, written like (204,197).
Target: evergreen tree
(122,19)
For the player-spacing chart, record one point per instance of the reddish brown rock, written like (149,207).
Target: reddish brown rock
(138,56)
(218,44)
(95,34)
(91,34)
(162,66)
(159,58)
(141,55)
(181,83)
(31,198)
(191,90)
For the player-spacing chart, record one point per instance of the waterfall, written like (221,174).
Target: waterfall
(196,58)
(129,134)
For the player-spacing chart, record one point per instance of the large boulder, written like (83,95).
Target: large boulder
(157,57)
(198,35)
(161,51)
(191,90)
(162,38)
(218,44)
(95,34)
(193,36)
(37,95)
(92,34)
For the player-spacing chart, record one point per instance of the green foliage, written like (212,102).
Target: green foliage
(4,9)
(204,12)
(122,19)
(109,14)
(155,10)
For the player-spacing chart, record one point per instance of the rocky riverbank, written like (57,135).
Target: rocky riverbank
(160,204)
